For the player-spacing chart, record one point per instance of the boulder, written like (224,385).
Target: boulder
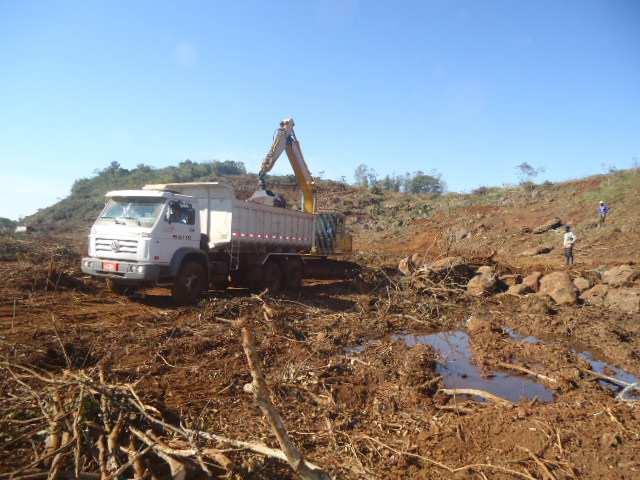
(624,299)
(518,289)
(581,284)
(532,281)
(540,250)
(482,284)
(410,264)
(452,269)
(550,225)
(620,276)
(595,295)
(511,280)
(406,266)
(559,287)
(486,270)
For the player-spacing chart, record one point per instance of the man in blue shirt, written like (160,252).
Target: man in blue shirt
(603,209)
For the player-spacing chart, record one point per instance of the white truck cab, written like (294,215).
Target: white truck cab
(136,237)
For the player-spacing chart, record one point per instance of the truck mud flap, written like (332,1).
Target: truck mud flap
(321,268)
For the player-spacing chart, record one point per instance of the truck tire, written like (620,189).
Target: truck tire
(272,277)
(188,284)
(293,275)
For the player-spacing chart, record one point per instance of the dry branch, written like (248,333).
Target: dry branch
(261,394)
(476,393)
(518,368)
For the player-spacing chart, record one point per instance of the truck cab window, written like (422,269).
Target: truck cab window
(183,213)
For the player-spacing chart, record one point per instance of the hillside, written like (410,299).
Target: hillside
(395,223)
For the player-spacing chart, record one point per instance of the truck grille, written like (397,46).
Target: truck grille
(112,245)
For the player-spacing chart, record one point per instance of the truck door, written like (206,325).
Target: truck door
(180,228)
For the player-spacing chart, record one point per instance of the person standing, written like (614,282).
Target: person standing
(568,241)
(603,210)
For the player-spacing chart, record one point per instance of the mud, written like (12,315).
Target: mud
(376,411)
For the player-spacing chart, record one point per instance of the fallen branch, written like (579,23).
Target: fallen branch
(261,394)
(518,368)
(476,393)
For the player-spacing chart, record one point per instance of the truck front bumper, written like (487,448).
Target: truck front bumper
(128,273)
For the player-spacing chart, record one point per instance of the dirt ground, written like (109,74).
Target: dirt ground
(353,367)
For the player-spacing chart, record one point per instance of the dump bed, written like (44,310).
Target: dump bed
(224,218)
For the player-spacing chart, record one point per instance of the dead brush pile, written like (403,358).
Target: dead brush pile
(78,424)
(39,264)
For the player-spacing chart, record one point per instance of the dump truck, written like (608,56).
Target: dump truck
(194,236)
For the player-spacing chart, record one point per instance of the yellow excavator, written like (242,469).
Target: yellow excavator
(330,233)
(285,140)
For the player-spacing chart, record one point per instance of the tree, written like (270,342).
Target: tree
(361,175)
(527,172)
(420,182)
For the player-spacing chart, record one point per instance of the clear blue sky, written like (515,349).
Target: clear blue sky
(467,88)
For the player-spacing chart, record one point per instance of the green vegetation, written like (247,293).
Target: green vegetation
(416,182)
(87,194)
(7,225)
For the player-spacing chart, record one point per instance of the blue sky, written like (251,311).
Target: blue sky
(467,88)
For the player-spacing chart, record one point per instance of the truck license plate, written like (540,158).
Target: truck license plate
(110,266)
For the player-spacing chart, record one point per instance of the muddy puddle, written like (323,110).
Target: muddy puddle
(455,364)
(597,365)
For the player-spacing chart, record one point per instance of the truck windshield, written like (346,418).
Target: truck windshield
(144,211)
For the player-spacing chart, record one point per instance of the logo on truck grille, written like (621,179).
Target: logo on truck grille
(115,246)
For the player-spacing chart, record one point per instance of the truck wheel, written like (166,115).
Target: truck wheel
(272,277)
(188,284)
(115,287)
(293,275)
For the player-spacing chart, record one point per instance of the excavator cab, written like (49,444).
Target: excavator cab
(330,234)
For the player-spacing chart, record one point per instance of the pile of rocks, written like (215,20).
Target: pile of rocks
(617,288)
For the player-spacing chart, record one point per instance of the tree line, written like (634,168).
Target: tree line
(416,182)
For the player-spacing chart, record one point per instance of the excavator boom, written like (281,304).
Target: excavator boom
(285,140)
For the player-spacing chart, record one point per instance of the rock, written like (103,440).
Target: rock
(532,281)
(453,269)
(537,305)
(406,266)
(581,284)
(624,299)
(410,264)
(536,251)
(525,229)
(595,295)
(559,287)
(486,270)
(550,225)
(511,280)
(620,276)
(483,284)
(519,289)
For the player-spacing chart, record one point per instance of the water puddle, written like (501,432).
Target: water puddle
(530,339)
(457,370)
(598,366)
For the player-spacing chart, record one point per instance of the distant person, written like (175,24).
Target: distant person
(603,210)
(568,241)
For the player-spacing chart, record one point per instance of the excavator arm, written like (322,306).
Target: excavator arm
(285,140)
